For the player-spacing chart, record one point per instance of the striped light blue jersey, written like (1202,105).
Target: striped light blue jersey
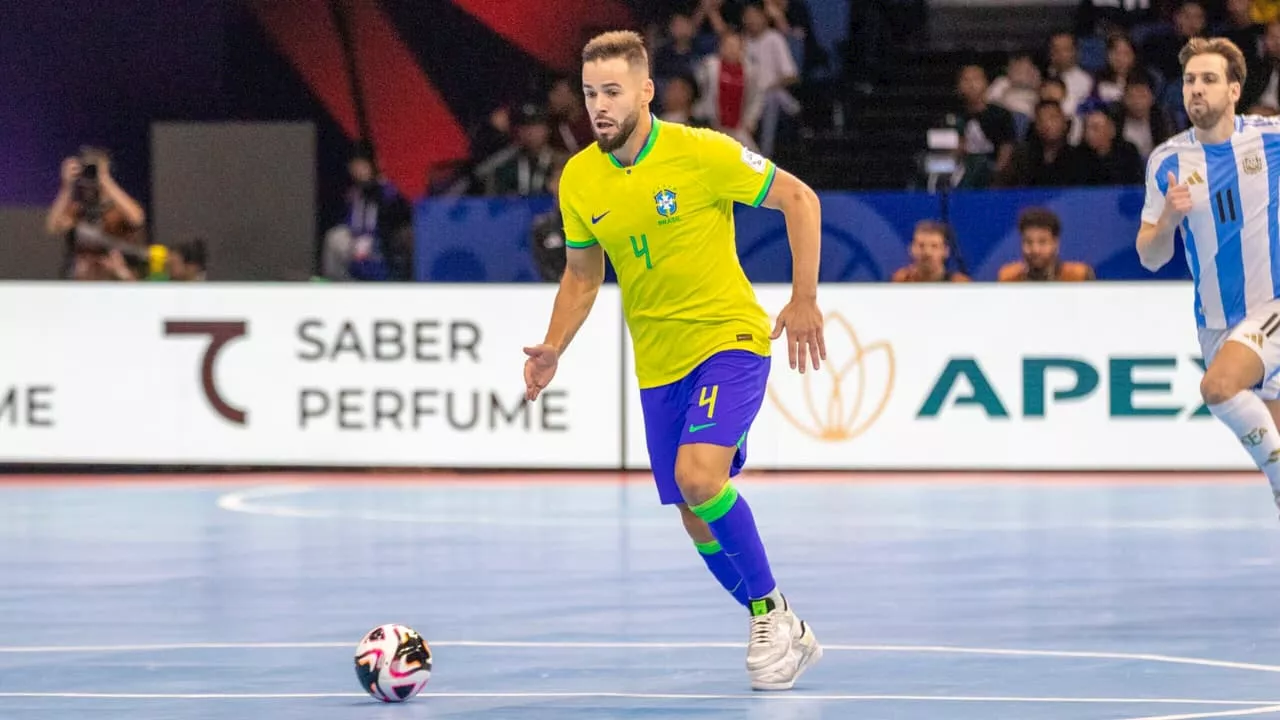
(1232,234)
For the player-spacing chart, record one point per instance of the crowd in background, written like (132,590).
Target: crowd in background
(1085,108)
(1089,107)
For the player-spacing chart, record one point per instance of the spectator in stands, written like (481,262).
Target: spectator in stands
(547,236)
(1045,158)
(1105,157)
(1104,17)
(1018,90)
(1161,48)
(677,56)
(1054,90)
(1261,92)
(712,19)
(188,261)
(1064,66)
(1141,121)
(523,167)
(93,216)
(729,94)
(567,117)
(374,242)
(1041,252)
(493,135)
(98,258)
(1240,28)
(793,19)
(769,55)
(679,101)
(930,255)
(987,132)
(1122,63)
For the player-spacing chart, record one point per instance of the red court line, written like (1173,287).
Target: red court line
(578,477)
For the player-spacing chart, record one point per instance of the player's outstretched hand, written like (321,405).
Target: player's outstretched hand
(1178,197)
(803,322)
(539,369)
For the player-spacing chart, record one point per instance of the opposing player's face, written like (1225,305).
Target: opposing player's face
(616,94)
(1206,92)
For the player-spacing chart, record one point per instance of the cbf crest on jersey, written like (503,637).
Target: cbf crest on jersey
(664,201)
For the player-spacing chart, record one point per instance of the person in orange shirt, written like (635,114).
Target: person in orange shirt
(930,252)
(1041,262)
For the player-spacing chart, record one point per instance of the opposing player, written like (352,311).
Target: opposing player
(1217,184)
(658,198)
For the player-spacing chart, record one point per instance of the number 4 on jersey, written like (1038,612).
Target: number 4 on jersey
(641,249)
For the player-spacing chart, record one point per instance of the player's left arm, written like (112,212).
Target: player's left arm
(803,213)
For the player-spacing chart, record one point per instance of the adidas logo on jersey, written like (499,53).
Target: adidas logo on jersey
(1195,178)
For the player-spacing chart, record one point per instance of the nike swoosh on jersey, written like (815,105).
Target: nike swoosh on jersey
(696,428)
(597,218)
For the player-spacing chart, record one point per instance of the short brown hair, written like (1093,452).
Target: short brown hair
(1038,217)
(1236,71)
(934,227)
(623,44)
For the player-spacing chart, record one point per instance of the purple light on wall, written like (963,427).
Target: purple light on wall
(100,73)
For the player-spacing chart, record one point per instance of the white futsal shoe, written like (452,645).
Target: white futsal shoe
(781,646)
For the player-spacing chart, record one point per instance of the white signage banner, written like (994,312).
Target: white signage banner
(1020,377)
(348,375)
(1070,377)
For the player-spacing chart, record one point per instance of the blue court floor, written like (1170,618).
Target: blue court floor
(949,598)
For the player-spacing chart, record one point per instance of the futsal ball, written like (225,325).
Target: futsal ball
(393,663)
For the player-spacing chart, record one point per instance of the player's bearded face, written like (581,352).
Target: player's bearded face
(1206,93)
(616,94)
(611,135)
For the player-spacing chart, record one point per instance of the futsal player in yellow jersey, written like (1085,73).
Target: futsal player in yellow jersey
(658,198)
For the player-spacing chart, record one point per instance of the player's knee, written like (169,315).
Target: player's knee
(699,477)
(1218,388)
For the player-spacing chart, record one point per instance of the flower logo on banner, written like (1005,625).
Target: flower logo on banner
(843,399)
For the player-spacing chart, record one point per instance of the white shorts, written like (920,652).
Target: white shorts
(1260,332)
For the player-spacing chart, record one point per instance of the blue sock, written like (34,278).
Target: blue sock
(724,571)
(734,527)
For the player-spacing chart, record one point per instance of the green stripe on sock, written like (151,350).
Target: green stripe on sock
(709,548)
(715,508)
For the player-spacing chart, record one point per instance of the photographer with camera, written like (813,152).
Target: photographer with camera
(101,225)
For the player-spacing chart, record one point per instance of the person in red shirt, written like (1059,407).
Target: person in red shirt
(729,96)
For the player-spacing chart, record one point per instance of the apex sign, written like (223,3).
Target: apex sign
(1045,381)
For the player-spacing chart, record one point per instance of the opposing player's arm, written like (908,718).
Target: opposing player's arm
(803,212)
(1167,202)
(1155,245)
(583,276)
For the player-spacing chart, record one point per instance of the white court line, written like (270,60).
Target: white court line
(1256,706)
(243,501)
(1224,713)
(605,645)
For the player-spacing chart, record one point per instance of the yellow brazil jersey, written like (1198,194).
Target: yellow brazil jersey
(666,223)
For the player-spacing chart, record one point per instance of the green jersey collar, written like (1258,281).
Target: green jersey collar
(648,144)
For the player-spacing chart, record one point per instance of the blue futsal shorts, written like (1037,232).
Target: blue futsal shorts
(714,404)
